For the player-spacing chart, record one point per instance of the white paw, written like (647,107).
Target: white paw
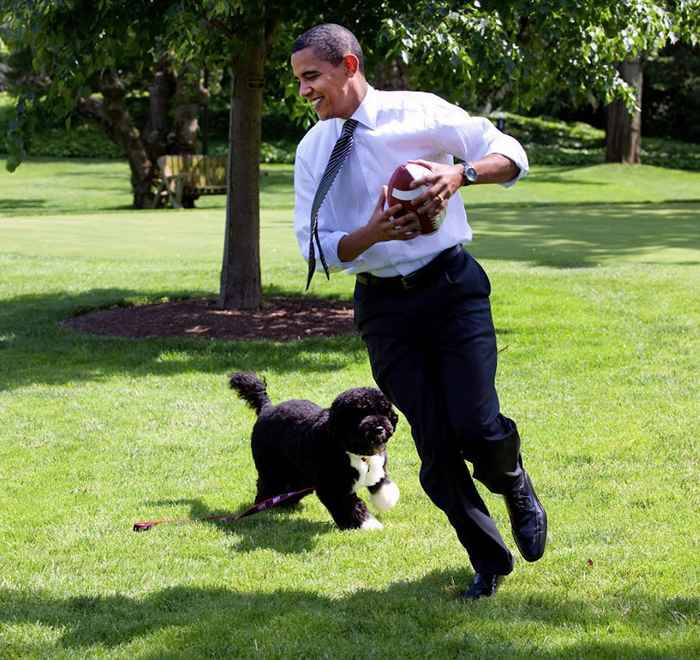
(371,523)
(386,497)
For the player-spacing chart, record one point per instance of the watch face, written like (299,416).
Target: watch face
(470,174)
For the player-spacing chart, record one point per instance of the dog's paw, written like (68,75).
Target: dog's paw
(371,523)
(386,497)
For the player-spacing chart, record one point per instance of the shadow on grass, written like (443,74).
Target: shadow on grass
(282,529)
(34,349)
(408,619)
(10,205)
(102,175)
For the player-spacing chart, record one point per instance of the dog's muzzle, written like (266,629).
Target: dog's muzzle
(376,431)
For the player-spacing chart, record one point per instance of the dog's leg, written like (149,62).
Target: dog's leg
(275,479)
(348,510)
(263,491)
(385,493)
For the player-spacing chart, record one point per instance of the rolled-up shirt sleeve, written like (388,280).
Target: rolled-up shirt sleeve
(472,138)
(304,191)
(304,187)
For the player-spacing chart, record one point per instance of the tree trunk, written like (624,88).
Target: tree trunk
(391,75)
(160,94)
(623,136)
(189,96)
(240,274)
(111,115)
(205,114)
(128,137)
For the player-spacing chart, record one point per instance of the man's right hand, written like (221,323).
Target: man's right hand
(382,226)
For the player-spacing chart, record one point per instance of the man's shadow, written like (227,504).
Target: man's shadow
(420,618)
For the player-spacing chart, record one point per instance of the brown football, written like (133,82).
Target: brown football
(400,192)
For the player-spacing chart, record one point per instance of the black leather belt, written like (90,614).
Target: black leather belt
(416,279)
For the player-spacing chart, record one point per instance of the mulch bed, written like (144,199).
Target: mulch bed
(279,319)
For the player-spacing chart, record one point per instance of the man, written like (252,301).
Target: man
(421,302)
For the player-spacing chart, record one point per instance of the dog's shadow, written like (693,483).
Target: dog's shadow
(282,529)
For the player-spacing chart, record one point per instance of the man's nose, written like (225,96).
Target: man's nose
(304,88)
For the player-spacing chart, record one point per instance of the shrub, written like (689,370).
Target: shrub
(555,142)
(279,151)
(79,141)
(83,141)
(547,141)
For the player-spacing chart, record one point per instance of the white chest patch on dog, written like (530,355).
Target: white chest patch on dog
(370,468)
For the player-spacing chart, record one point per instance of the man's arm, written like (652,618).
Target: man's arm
(382,226)
(493,168)
(445,180)
(496,157)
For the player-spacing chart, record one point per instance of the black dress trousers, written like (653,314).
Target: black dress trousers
(432,348)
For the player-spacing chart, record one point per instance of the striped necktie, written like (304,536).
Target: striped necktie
(335,162)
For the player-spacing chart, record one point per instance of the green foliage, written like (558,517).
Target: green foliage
(52,140)
(18,125)
(506,54)
(546,131)
(515,53)
(548,141)
(71,47)
(278,152)
(554,142)
(78,142)
(671,153)
(672,94)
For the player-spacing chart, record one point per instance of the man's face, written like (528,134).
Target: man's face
(326,87)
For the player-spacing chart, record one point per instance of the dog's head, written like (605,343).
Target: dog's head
(362,420)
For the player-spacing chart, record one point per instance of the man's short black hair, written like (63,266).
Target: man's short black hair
(331,43)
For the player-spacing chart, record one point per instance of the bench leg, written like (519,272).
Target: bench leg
(179,188)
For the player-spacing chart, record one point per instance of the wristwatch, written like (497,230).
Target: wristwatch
(469,175)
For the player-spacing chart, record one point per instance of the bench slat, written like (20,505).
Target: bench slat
(195,174)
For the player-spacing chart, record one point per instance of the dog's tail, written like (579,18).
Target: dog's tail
(251,389)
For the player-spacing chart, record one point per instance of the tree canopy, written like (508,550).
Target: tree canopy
(493,53)
(91,54)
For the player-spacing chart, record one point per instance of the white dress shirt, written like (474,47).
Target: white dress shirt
(393,127)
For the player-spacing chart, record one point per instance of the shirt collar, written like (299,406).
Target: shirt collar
(366,112)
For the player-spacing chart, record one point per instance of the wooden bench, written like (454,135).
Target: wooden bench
(185,178)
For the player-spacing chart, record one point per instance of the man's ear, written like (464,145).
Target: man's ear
(352,64)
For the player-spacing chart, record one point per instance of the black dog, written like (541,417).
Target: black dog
(337,450)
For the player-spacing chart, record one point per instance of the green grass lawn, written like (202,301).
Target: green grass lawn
(596,280)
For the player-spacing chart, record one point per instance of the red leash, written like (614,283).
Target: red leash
(145,525)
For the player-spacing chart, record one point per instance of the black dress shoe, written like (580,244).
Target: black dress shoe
(528,519)
(483,585)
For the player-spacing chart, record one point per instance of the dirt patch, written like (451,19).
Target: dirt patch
(279,319)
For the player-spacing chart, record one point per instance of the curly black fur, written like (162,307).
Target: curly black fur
(251,389)
(297,444)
